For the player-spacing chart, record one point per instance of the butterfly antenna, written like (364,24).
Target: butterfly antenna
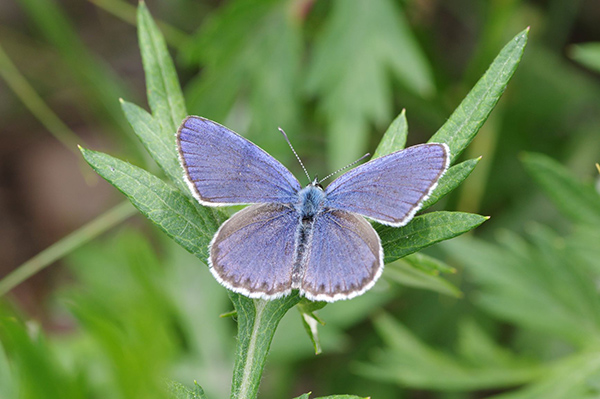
(344,168)
(295,153)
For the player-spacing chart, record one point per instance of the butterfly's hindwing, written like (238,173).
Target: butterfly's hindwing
(344,257)
(253,252)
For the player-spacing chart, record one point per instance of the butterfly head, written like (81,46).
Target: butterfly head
(316,183)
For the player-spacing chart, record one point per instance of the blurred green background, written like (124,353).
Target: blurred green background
(124,313)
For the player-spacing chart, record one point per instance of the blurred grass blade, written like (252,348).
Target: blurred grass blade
(36,105)
(406,274)
(162,85)
(428,264)
(8,381)
(66,245)
(257,321)
(425,230)
(102,86)
(587,54)
(190,226)
(394,139)
(127,12)
(452,179)
(473,111)
(41,374)
(578,201)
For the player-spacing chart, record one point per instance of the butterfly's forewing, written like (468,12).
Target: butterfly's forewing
(392,188)
(344,259)
(253,251)
(223,168)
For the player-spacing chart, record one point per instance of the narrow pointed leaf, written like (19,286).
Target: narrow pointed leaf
(587,54)
(452,179)
(425,230)
(578,201)
(404,273)
(164,93)
(160,146)
(179,391)
(311,321)
(467,119)
(190,226)
(394,138)
(428,264)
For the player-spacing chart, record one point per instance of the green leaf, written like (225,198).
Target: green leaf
(394,139)
(451,179)
(310,320)
(428,264)
(404,273)
(190,226)
(587,54)
(341,397)
(101,85)
(179,391)
(257,322)
(579,202)
(353,57)
(251,54)
(425,230)
(572,377)
(41,374)
(473,111)
(162,85)
(408,361)
(539,286)
(8,381)
(160,146)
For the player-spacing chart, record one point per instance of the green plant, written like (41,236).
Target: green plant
(192,226)
(545,284)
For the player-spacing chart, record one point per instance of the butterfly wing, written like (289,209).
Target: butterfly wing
(223,168)
(344,258)
(253,252)
(392,188)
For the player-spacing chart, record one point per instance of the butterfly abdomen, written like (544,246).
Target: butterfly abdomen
(310,203)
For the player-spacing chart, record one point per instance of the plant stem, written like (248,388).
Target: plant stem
(257,321)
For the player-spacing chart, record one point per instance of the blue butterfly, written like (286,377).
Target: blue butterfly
(291,238)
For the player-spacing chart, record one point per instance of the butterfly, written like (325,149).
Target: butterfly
(312,239)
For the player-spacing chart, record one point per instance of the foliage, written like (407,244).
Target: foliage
(518,310)
(545,285)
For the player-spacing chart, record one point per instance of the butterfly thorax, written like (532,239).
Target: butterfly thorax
(310,201)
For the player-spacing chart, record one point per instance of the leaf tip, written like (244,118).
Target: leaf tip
(598,167)
(487,218)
